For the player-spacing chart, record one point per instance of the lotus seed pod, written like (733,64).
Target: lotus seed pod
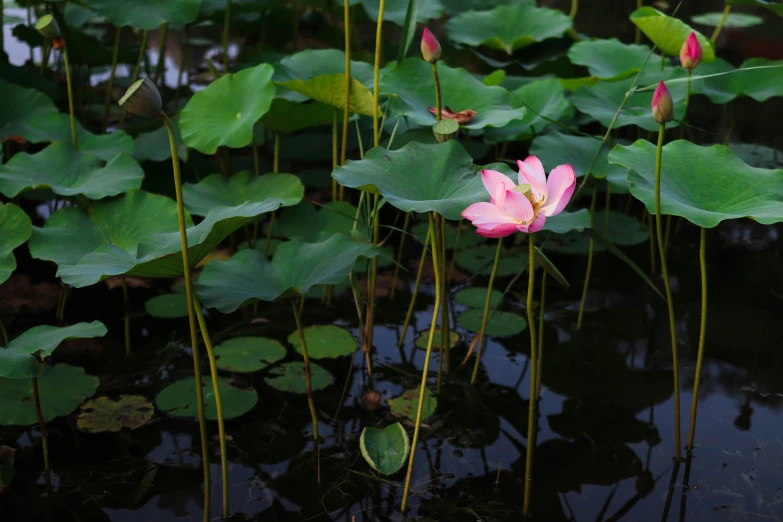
(445,130)
(142,98)
(430,47)
(47,26)
(662,104)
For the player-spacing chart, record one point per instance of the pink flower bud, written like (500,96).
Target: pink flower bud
(430,48)
(662,104)
(690,53)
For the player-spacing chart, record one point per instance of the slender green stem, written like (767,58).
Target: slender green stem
(531,417)
(574,9)
(276,157)
(136,70)
(41,423)
(226,25)
(344,145)
(669,301)
(61,304)
(191,316)
(3,334)
(606,209)
(638,34)
(306,356)
(426,366)
(273,217)
(400,249)
(485,317)
(161,65)
(540,335)
(417,284)
(454,250)
(702,335)
(438,101)
(126,308)
(376,135)
(589,263)
(721,23)
(70,98)
(334,153)
(373,277)
(44,54)
(445,327)
(687,92)
(110,88)
(218,401)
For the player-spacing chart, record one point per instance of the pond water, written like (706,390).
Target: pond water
(605,445)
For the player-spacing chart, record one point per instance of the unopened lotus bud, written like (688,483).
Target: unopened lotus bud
(445,130)
(142,98)
(47,26)
(662,104)
(430,47)
(690,52)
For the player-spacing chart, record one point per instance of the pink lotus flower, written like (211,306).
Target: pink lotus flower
(430,47)
(522,207)
(662,104)
(690,52)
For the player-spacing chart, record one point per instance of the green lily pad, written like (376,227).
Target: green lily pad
(21,358)
(386,450)
(148,14)
(476,296)
(394,10)
(479,260)
(565,221)
(325,341)
(294,269)
(705,185)
(15,230)
(546,98)
(62,388)
(424,337)
(154,145)
(224,113)
(25,112)
(168,306)
(311,63)
(330,89)
(290,377)
(106,414)
(411,81)
(669,33)
(310,224)
(733,20)
(407,404)
(500,324)
(611,59)
(248,354)
(460,6)
(179,399)
(69,172)
(773,5)
(507,27)
(622,231)
(218,191)
(134,234)
(289,116)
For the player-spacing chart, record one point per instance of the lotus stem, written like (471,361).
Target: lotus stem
(70,98)
(136,70)
(353,357)
(126,308)
(417,284)
(41,423)
(334,153)
(191,315)
(445,330)
(702,335)
(226,24)
(589,263)
(638,35)
(3,334)
(117,33)
(344,145)
(651,225)
(540,336)
(218,401)
(669,302)
(454,250)
(485,317)
(574,9)
(606,209)
(400,248)
(376,70)
(161,65)
(276,157)
(721,23)
(45,56)
(531,417)
(437,90)
(273,217)
(60,315)
(305,355)
(425,368)
(687,92)
(373,276)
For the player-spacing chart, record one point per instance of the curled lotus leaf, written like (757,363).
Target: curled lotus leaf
(107,414)
(15,229)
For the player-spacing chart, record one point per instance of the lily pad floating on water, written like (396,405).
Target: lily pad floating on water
(15,229)
(475,297)
(773,5)
(423,338)
(325,341)
(500,323)
(136,233)
(705,185)
(385,450)
(62,388)
(407,404)
(148,14)
(248,354)
(290,377)
(168,306)
(733,20)
(106,414)
(669,33)
(507,27)
(218,191)
(179,399)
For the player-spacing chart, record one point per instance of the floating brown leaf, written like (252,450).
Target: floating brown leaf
(105,414)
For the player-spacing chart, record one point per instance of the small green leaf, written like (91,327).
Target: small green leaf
(773,5)
(248,354)
(179,399)
(423,338)
(148,14)
(167,306)
(407,404)
(290,377)
(475,297)
(733,20)
(500,323)
(325,341)
(385,450)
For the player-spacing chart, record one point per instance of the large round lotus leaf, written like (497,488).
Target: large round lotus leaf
(308,64)
(154,145)
(479,260)
(57,127)
(411,81)
(547,101)
(147,14)
(290,377)
(106,414)
(500,324)
(669,33)
(15,229)
(568,221)
(611,59)
(70,172)
(134,234)
(294,269)
(394,10)
(761,84)
(424,337)
(62,388)
(467,237)
(308,223)
(224,113)
(407,404)
(475,297)
(218,191)
(248,354)
(507,27)
(325,341)
(733,20)
(330,89)
(386,450)
(555,149)
(773,5)
(20,359)
(719,89)
(290,116)
(419,178)
(460,6)
(179,399)
(705,185)
(168,306)
(25,112)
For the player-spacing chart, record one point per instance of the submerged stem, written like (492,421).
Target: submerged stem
(405,225)
(112,73)
(589,263)
(308,383)
(531,417)
(416,286)
(485,317)
(702,335)
(41,424)
(70,98)
(126,308)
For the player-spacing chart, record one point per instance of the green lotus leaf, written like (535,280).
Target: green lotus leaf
(758,155)
(460,6)
(733,20)
(411,81)
(294,269)
(394,10)
(500,323)
(719,89)
(148,14)
(154,145)
(21,358)
(385,450)
(288,116)
(547,100)
(134,234)
(705,185)
(224,113)
(69,172)
(330,89)
(507,27)
(466,236)
(475,297)
(62,388)
(407,404)
(325,341)
(290,378)
(25,112)
(773,5)
(311,63)
(15,229)
(179,399)
(611,59)
(423,339)
(248,354)
(310,224)
(218,191)
(565,221)
(479,259)
(761,84)
(669,33)
(167,306)
(622,231)
(110,415)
